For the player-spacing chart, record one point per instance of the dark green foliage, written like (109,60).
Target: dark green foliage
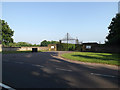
(78,47)
(46,43)
(5,33)
(21,44)
(63,47)
(71,47)
(114,31)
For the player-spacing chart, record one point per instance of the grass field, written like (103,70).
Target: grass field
(105,58)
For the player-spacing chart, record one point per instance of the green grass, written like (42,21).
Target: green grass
(105,58)
(43,50)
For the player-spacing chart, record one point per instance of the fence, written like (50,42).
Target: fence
(111,49)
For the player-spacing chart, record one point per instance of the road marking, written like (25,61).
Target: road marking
(6,87)
(5,61)
(19,62)
(64,69)
(91,67)
(37,65)
(102,75)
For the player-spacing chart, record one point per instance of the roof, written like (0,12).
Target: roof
(89,43)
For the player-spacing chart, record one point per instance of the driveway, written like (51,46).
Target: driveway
(45,70)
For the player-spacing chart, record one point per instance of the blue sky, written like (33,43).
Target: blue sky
(34,22)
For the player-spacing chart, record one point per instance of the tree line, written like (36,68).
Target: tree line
(44,43)
(113,37)
(6,33)
(6,39)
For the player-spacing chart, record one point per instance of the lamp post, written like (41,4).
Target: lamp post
(67,41)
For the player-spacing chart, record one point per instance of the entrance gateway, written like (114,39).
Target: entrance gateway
(52,47)
(60,46)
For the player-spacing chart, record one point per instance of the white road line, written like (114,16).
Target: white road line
(64,69)
(5,61)
(6,87)
(19,62)
(37,65)
(91,67)
(102,75)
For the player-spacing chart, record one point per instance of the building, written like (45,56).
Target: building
(52,47)
(89,46)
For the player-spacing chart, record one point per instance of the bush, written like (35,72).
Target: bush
(65,47)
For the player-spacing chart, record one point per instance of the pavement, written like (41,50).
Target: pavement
(46,70)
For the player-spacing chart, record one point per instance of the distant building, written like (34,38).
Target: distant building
(89,46)
(52,47)
(79,47)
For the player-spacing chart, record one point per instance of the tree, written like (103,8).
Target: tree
(23,44)
(6,33)
(114,31)
(45,42)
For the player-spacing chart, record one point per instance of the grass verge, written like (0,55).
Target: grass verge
(105,58)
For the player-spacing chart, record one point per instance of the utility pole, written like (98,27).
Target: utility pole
(77,41)
(67,41)
(67,38)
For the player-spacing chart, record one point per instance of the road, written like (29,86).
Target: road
(41,70)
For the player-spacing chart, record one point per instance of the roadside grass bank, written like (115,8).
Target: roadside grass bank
(104,58)
(10,52)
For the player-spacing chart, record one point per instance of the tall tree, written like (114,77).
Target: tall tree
(23,44)
(6,33)
(0,31)
(46,43)
(114,31)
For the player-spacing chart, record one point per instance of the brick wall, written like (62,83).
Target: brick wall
(23,48)
(0,47)
(108,49)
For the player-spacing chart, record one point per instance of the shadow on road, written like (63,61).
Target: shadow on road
(27,76)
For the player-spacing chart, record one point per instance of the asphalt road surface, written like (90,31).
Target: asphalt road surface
(41,70)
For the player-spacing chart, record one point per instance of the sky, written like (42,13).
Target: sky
(34,22)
